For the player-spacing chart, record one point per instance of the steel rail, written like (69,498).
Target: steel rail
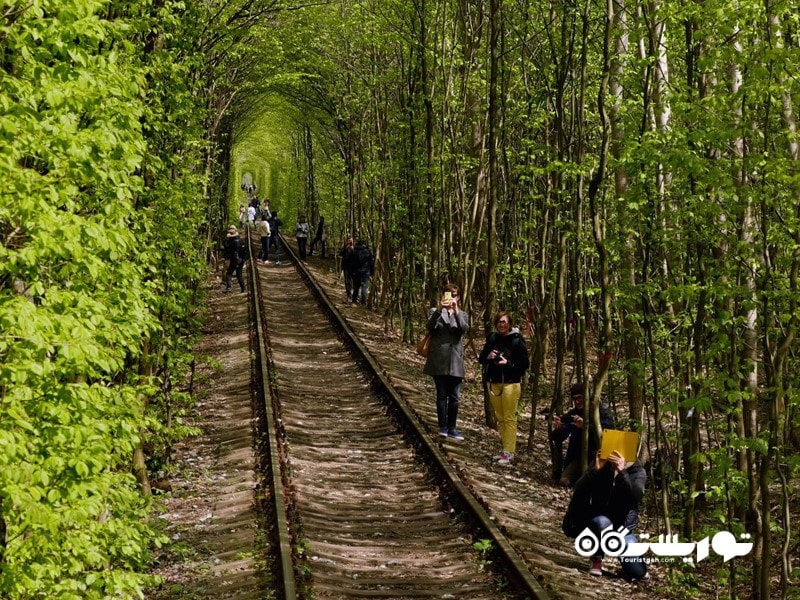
(516,566)
(267,394)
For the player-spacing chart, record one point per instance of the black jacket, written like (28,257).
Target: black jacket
(514,349)
(598,492)
(363,261)
(232,245)
(575,435)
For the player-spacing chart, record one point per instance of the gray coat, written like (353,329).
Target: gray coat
(446,356)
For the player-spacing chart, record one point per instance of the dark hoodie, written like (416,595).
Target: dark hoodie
(598,492)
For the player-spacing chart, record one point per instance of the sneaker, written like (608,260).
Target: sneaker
(277,262)
(597,567)
(453,433)
(503,454)
(227,290)
(443,432)
(505,458)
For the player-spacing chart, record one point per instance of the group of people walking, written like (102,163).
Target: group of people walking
(267,225)
(606,495)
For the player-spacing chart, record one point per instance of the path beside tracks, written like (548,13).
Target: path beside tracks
(521,501)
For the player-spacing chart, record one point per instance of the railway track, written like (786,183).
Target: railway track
(363,502)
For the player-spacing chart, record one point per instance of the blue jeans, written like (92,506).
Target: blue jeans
(633,567)
(448,390)
(360,282)
(274,241)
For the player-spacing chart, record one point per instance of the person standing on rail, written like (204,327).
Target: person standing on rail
(447,324)
(505,357)
(274,235)
(233,251)
(301,232)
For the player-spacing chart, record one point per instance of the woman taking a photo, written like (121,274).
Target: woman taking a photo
(506,358)
(447,325)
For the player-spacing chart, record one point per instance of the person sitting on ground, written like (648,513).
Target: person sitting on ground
(608,495)
(505,356)
(570,425)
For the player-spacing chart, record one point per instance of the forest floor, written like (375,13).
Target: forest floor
(210,513)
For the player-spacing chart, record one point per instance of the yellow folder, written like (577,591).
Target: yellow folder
(624,442)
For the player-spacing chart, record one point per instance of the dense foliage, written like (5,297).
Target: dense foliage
(623,176)
(100,258)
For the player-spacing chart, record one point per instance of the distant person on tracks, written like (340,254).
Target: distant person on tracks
(447,324)
(570,426)
(262,229)
(608,495)
(321,238)
(265,212)
(363,265)
(505,357)
(233,252)
(347,254)
(301,231)
(274,236)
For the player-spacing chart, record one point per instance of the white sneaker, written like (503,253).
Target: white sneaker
(505,458)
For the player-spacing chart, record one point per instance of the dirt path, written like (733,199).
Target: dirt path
(211,512)
(210,515)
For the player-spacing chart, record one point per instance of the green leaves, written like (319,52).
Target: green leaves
(80,125)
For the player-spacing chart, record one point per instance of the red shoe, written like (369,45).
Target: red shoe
(597,567)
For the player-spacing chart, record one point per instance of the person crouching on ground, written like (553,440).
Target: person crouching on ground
(447,324)
(608,495)
(506,358)
(570,425)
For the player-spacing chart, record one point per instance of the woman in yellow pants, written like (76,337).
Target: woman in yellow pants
(506,358)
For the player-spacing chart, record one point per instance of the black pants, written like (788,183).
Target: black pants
(301,247)
(236,264)
(323,244)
